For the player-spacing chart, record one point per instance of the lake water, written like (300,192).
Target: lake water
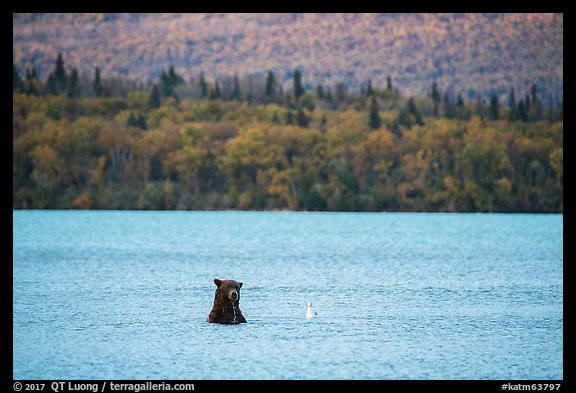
(125,295)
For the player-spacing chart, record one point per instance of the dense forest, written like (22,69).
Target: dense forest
(89,142)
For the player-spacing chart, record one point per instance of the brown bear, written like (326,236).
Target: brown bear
(226,303)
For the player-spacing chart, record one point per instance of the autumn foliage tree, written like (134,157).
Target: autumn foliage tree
(332,149)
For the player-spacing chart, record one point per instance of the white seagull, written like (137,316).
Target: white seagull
(309,313)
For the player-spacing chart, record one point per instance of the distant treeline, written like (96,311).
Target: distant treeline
(244,143)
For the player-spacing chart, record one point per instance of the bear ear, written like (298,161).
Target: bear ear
(240,285)
(217,282)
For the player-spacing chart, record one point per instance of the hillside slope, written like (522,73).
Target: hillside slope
(468,53)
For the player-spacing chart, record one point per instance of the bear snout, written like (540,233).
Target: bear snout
(234,295)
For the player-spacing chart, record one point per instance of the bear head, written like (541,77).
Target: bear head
(226,307)
(228,290)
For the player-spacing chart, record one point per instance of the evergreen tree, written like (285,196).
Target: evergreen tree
(494,110)
(461,111)
(56,82)
(169,81)
(137,121)
(480,107)
(31,88)
(97,89)
(410,115)
(389,83)
(275,118)
(320,92)
(236,94)
(73,85)
(340,94)
(174,78)
(413,110)
(374,120)
(369,89)
(215,92)
(60,72)
(522,113)
(435,95)
(141,121)
(298,88)
(132,121)
(289,118)
(17,84)
(51,85)
(203,86)
(459,101)
(301,119)
(154,100)
(513,114)
(31,74)
(166,86)
(288,101)
(536,111)
(323,123)
(270,90)
(250,92)
(31,84)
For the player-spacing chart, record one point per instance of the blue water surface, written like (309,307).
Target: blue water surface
(125,295)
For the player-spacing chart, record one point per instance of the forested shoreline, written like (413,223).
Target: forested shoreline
(93,143)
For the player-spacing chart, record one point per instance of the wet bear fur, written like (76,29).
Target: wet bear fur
(226,308)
